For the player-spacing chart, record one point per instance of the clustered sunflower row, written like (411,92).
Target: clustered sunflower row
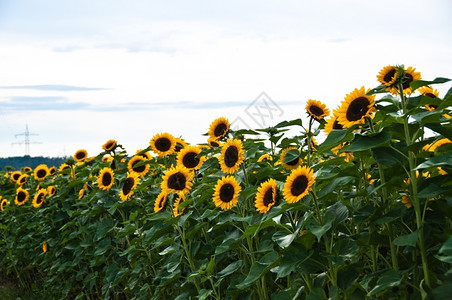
(251,214)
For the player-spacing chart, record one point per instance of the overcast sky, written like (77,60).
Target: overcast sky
(82,72)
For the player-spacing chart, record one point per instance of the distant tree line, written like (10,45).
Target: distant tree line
(18,162)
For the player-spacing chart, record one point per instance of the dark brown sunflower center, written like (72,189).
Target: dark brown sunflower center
(430,95)
(161,201)
(138,169)
(110,145)
(22,180)
(388,76)
(163,144)
(220,129)
(40,198)
(357,109)
(336,125)
(226,192)
(106,179)
(316,111)
(80,155)
(268,197)
(231,156)
(190,160)
(52,171)
(407,80)
(299,185)
(294,162)
(41,173)
(128,185)
(16,176)
(214,144)
(21,196)
(177,181)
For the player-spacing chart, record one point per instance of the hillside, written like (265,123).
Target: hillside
(18,162)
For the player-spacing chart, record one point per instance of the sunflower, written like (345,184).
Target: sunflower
(52,171)
(219,128)
(226,193)
(180,144)
(388,75)
(63,167)
(406,201)
(213,143)
(293,164)
(332,124)
(179,198)
(298,184)
(264,157)
(409,75)
(41,172)
(431,93)
(44,247)
(80,155)
(188,157)
(160,201)
(15,176)
(439,143)
(22,196)
(39,198)
(3,203)
(106,179)
(26,169)
(163,144)
(355,108)
(136,165)
(348,156)
(146,154)
(130,183)
(317,109)
(232,156)
(51,190)
(266,196)
(81,194)
(110,145)
(177,179)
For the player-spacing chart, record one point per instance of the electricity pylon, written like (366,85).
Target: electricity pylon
(26,140)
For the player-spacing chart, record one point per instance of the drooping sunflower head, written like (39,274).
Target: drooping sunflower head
(106,179)
(226,193)
(232,156)
(189,158)
(332,123)
(39,198)
(291,163)
(3,203)
(355,108)
(388,75)
(298,184)
(52,170)
(266,196)
(404,78)
(109,145)
(163,144)
(80,155)
(15,176)
(51,190)
(160,201)
(178,199)
(137,165)
(22,196)
(264,157)
(431,93)
(22,179)
(219,128)
(129,185)
(177,180)
(317,109)
(41,172)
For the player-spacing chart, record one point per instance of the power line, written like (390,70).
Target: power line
(26,140)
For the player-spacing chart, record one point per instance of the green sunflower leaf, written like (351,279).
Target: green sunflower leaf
(362,142)
(407,239)
(259,268)
(291,155)
(444,159)
(420,83)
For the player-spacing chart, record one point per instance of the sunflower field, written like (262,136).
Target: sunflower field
(268,213)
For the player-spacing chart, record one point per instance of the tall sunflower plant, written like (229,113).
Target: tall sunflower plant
(346,203)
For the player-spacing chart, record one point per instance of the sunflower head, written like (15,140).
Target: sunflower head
(41,172)
(160,201)
(355,108)
(332,123)
(226,193)
(106,179)
(188,157)
(51,190)
(404,78)
(213,143)
(52,170)
(264,157)
(44,247)
(22,196)
(219,128)
(178,199)
(3,203)
(146,154)
(80,155)
(15,176)
(130,183)
(177,180)
(136,165)
(266,196)
(163,144)
(298,184)
(291,163)
(431,93)
(39,198)
(388,75)
(317,109)
(232,156)
(109,145)
(180,144)
(26,169)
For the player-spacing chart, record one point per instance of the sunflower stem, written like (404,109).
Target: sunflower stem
(413,181)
